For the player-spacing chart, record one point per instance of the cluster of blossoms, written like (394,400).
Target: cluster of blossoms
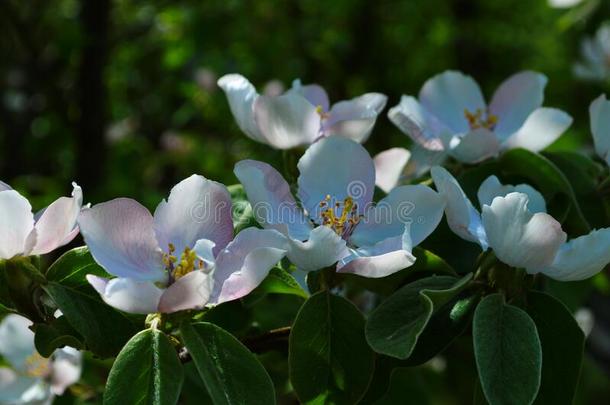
(186,255)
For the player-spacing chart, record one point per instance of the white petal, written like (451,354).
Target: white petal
(120,236)
(271,199)
(475,146)
(492,188)
(204,248)
(389,166)
(16,341)
(518,237)
(135,297)
(16,223)
(599,114)
(355,118)
(462,217)
(338,167)
(287,121)
(448,95)
(66,368)
(515,99)
(192,291)
(421,126)
(417,206)
(16,389)
(323,248)
(4,186)
(540,129)
(241,95)
(582,257)
(56,226)
(382,259)
(314,93)
(245,263)
(197,208)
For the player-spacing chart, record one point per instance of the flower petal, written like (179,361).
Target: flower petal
(515,99)
(540,129)
(462,217)
(355,118)
(197,208)
(241,95)
(56,226)
(271,199)
(245,263)
(389,166)
(192,291)
(314,93)
(492,188)
(518,237)
(418,206)
(4,186)
(16,223)
(128,295)
(16,341)
(420,125)
(287,121)
(599,114)
(475,146)
(338,167)
(121,239)
(66,369)
(448,95)
(582,257)
(16,389)
(323,248)
(382,259)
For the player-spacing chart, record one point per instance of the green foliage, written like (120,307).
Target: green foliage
(507,350)
(71,269)
(230,373)
(330,361)
(147,370)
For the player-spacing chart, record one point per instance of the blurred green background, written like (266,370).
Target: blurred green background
(120,95)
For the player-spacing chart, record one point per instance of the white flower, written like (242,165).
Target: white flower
(595,51)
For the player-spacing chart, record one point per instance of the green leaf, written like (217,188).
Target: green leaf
(104,329)
(73,266)
(57,334)
(507,351)
(405,381)
(545,176)
(231,374)
(427,262)
(146,371)
(562,348)
(278,281)
(329,359)
(394,327)
(241,210)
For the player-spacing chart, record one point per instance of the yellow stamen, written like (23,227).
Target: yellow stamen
(187,263)
(321,113)
(342,224)
(477,121)
(37,366)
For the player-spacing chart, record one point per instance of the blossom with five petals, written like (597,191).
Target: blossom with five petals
(299,116)
(514,223)
(335,220)
(183,257)
(23,233)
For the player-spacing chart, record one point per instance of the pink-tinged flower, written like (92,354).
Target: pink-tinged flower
(335,220)
(514,223)
(23,233)
(299,116)
(595,51)
(599,114)
(31,378)
(451,118)
(183,257)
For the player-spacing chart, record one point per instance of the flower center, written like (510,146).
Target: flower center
(321,113)
(186,263)
(480,119)
(37,366)
(341,216)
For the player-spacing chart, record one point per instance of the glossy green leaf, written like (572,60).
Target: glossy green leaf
(278,281)
(146,371)
(507,351)
(562,348)
(394,328)
(73,266)
(330,361)
(57,334)
(104,329)
(231,374)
